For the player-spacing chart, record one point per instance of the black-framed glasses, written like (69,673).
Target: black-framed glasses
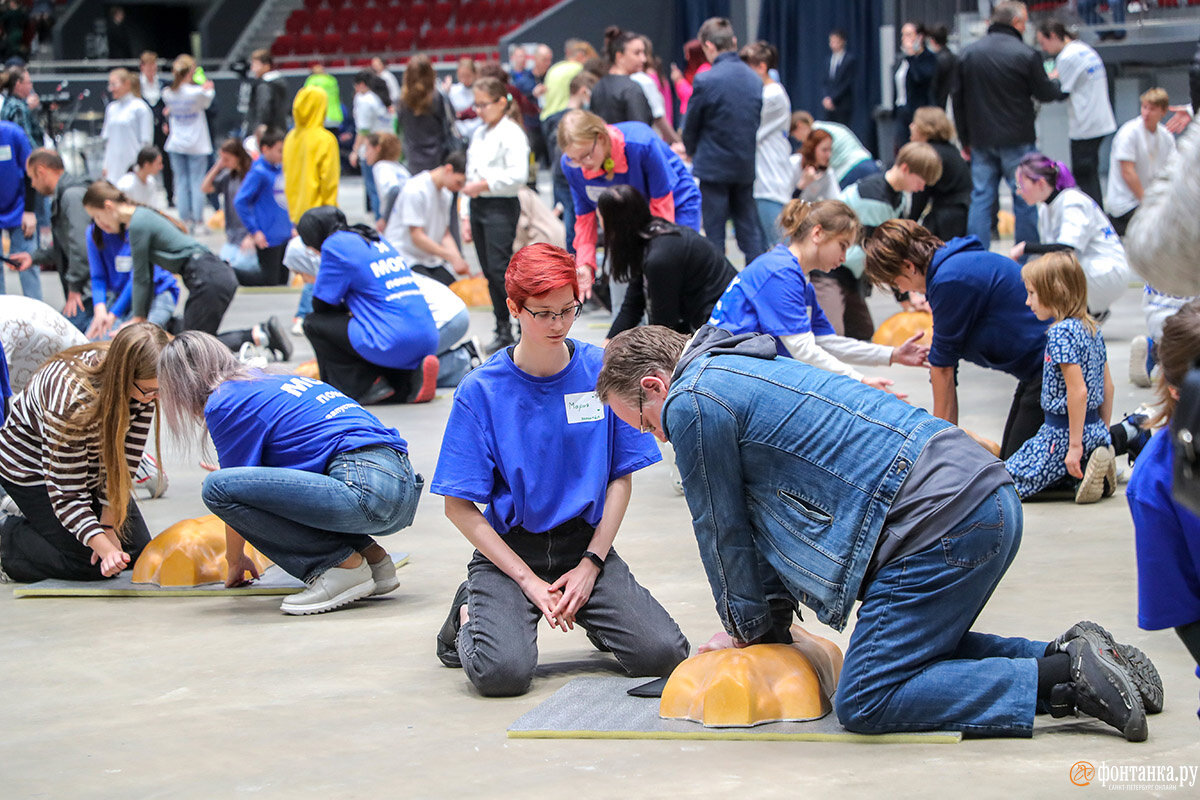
(149,394)
(481,106)
(642,426)
(578,163)
(550,316)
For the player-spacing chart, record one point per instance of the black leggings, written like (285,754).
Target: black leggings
(270,270)
(340,364)
(211,285)
(36,546)
(1025,416)
(494,228)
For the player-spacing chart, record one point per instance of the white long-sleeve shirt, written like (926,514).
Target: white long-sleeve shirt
(128,127)
(1072,218)
(500,156)
(188,126)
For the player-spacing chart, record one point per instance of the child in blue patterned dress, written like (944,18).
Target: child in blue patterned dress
(1077,388)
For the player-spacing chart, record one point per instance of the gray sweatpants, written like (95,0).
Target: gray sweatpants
(498,644)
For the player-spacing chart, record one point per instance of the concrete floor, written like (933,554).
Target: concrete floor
(225,696)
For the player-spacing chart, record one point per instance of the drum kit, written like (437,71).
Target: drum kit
(75,132)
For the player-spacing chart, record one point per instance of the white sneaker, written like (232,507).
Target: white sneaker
(253,356)
(334,588)
(150,476)
(1139,349)
(1099,476)
(8,507)
(297,327)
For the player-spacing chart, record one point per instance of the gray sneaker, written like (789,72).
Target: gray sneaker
(335,588)
(1138,664)
(384,575)
(1099,475)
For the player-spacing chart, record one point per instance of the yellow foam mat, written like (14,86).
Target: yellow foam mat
(274,581)
(599,708)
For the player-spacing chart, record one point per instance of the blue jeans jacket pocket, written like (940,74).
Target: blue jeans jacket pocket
(977,542)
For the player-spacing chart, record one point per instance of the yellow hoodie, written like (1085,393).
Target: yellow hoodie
(311,163)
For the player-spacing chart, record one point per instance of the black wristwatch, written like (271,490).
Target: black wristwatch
(595,559)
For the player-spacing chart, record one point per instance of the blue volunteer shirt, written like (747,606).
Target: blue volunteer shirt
(261,204)
(111,266)
(772,296)
(979,314)
(537,452)
(392,325)
(289,422)
(5,387)
(14,149)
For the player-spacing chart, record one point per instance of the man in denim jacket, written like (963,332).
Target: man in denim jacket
(809,487)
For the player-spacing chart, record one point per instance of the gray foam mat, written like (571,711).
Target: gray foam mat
(599,708)
(274,581)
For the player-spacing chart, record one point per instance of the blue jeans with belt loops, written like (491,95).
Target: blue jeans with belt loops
(307,522)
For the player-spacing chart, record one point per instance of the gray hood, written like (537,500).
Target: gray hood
(720,342)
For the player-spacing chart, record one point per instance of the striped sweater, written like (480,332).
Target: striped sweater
(34,449)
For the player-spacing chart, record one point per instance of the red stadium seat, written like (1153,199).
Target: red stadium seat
(331,43)
(296,22)
(308,43)
(284,44)
(312,5)
(320,20)
(403,40)
(381,41)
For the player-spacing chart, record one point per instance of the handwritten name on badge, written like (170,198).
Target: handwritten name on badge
(583,407)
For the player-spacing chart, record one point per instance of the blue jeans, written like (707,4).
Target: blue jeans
(988,165)
(719,202)
(914,663)
(31,279)
(371,491)
(162,308)
(304,307)
(189,174)
(1091,15)
(453,362)
(768,217)
(372,194)
(238,258)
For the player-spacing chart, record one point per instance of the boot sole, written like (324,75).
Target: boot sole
(356,592)
(1099,466)
(1143,672)
(1119,678)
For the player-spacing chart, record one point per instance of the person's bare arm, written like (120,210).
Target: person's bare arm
(1130,176)
(945,393)
(206,185)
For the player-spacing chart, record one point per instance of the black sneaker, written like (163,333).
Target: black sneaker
(379,392)
(498,343)
(1138,664)
(447,638)
(1103,687)
(278,342)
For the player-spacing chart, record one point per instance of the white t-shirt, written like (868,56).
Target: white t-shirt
(128,127)
(188,126)
(393,85)
(371,115)
(443,304)
(423,205)
(1081,72)
(658,107)
(1148,152)
(388,174)
(774,175)
(1074,219)
(138,191)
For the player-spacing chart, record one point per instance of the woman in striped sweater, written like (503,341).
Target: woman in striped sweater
(68,450)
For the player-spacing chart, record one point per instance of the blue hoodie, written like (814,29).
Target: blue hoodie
(979,312)
(111,266)
(14,149)
(262,205)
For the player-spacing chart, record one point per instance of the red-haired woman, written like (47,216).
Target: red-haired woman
(529,440)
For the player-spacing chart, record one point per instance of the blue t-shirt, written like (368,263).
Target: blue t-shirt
(537,452)
(14,149)
(1068,342)
(392,325)
(654,170)
(772,296)
(979,312)
(289,422)
(1167,536)
(5,386)
(111,267)
(261,204)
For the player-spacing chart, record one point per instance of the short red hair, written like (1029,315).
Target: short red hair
(539,269)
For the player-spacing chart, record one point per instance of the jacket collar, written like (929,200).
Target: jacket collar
(1000,27)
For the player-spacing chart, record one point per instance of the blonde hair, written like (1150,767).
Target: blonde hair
(921,160)
(580,127)
(1061,286)
(933,124)
(834,217)
(1157,97)
(126,77)
(182,69)
(132,355)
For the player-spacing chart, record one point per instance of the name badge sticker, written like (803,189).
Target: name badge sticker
(123,263)
(5,152)
(583,407)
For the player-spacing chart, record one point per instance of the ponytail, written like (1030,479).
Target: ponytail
(101,192)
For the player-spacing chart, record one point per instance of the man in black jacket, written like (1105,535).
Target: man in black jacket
(999,77)
(720,132)
(269,101)
(838,86)
(69,224)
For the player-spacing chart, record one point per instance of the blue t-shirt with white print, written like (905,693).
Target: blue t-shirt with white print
(290,422)
(111,265)
(772,296)
(536,451)
(391,324)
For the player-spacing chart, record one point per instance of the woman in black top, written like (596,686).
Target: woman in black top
(424,120)
(616,97)
(675,275)
(951,195)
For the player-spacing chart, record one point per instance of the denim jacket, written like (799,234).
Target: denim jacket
(788,469)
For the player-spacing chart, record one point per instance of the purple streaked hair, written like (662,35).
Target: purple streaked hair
(1040,167)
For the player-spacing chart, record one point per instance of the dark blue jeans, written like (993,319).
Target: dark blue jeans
(719,202)
(988,166)
(307,522)
(914,663)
